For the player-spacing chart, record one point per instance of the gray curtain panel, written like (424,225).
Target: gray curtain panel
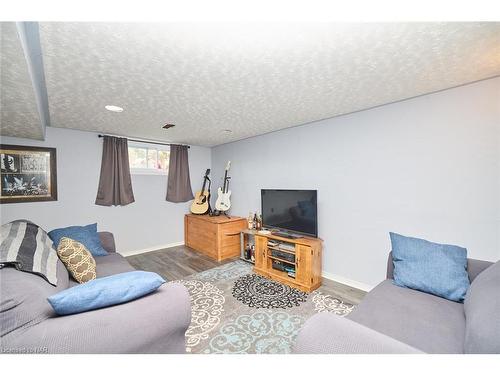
(115,185)
(179,183)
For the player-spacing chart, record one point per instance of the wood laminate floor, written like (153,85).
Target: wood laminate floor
(178,262)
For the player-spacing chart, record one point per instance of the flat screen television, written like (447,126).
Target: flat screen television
(293,211)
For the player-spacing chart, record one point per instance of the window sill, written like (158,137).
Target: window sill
(151,172)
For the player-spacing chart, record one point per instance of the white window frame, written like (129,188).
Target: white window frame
(149,171)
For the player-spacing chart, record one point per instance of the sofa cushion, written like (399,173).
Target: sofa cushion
(23,297)
(87,235)
(77,259)
(426,322)
(108,265)
(328,333)
(430,267)
(107,241)
(112,264)
(482,311)
(106,291)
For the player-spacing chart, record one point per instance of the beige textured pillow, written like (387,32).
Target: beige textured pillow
(77,259)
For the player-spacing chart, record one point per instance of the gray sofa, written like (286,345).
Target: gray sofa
(155,323)
(391,319)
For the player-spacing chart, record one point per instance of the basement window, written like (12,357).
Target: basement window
(148,159)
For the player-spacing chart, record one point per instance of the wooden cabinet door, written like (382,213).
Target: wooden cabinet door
(304,264)
(260,253)
(201,235)
(229,239)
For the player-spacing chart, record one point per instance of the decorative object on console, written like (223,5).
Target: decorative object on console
(28,248)
(78,260)
(86,235)
(105,291)
(250,221)
(115,184)
(223,202)
(247,245)
(248,252)
(258,224)
(201,203)
(430,267)
(179,182)
(27,174)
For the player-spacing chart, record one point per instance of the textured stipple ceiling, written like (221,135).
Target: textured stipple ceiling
(250,78)
(18,108)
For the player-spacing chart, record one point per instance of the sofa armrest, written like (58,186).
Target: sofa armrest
(327,333)
(475,267)
(108,241)
(390,267)
(155,323)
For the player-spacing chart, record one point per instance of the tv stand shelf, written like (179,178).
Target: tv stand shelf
(307,265)
(282,260)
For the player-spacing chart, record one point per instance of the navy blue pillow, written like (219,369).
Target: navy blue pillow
(430,267)
(86,235)
(105,291)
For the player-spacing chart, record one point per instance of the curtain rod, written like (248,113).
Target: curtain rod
(142,141)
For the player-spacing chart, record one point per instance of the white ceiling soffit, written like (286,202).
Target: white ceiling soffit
(18,102)
(250,78)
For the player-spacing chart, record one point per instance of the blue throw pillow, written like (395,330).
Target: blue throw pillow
(430,267)
(86,235)
(105,291)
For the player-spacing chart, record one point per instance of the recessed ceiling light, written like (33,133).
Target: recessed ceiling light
(113,108)
(226,131)
(168,126)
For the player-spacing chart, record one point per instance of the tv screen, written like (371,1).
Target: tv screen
(290,210)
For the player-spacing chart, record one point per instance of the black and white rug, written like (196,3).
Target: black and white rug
(236,311)
(259,292)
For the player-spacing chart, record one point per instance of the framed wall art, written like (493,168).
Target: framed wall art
(28,174)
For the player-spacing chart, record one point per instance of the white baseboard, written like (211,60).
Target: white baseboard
(148,249)
(346,281)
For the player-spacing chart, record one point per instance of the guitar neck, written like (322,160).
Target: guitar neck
(224,188)
(205,179)
(204,183)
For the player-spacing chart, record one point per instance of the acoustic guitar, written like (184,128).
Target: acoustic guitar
(201,203)
(223,202)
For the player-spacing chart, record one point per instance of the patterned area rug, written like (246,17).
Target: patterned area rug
(237,311)
(257,291)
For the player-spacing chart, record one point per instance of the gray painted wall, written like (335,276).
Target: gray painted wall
(148,222)
(426,167)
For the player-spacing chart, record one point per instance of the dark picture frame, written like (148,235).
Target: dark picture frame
(27,174)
